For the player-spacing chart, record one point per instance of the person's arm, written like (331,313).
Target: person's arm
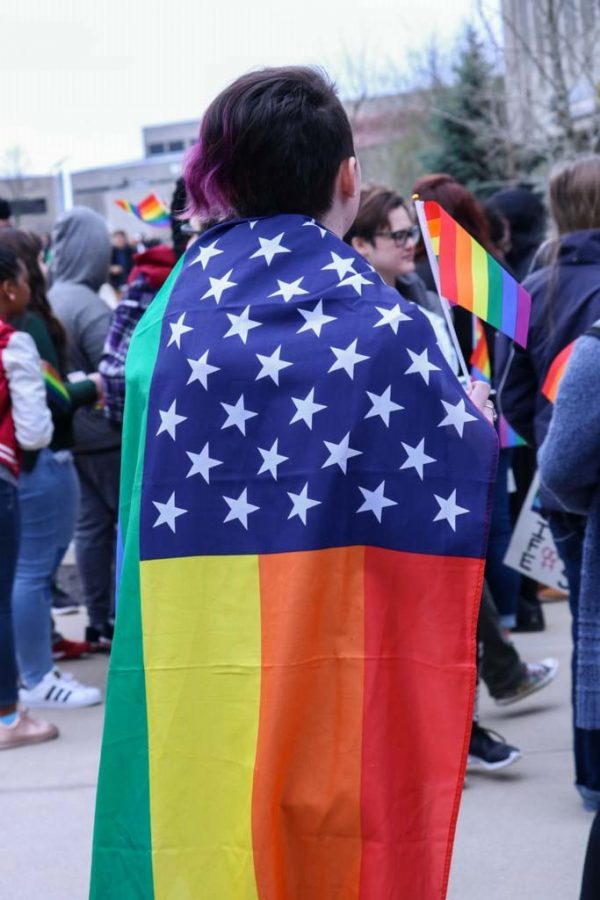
(112,365)
(569,458)
(32,418)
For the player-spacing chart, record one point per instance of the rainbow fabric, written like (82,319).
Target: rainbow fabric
(470,277)
(149,210)
(508,436)
(56,393)
(481,366)
(291,683)
(555,373)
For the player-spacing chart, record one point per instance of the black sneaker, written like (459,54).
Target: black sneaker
(530,616)
(99,639)
(490,753)
(62,604)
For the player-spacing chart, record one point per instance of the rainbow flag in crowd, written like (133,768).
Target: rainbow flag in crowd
(150,210)
(470,277)
(555,373)
(291,683)
(481,369)
(507,435)
(56,392)
(481,366)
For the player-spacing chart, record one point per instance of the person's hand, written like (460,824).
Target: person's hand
(479,394)
(96,377)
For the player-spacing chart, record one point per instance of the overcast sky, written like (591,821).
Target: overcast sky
(79,77)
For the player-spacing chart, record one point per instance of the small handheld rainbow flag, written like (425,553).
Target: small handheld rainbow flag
(150,210)
(556,372)
(56,393)
(470,277)
(508,437)
(481,366)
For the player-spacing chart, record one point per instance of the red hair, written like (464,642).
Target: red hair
(458,202)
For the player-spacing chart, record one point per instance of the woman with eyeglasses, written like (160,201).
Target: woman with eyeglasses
(384,232)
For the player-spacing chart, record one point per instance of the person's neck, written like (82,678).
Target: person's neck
(336,220)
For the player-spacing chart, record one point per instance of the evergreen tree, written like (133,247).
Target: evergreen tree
(468,124)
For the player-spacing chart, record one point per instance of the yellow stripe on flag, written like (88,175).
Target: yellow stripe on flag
(202,657)
(479,271)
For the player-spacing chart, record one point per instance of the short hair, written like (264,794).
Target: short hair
(5,209)
(271,142)
(376,204)
(574,192)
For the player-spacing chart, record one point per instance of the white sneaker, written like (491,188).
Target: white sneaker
(58,690)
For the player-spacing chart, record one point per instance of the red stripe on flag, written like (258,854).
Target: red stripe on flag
(420,620)
(556,372)
(447,258)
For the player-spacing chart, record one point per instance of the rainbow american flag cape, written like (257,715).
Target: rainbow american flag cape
(150,210)
(470,277)
(305,492)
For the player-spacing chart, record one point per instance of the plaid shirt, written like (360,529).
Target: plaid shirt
(112,365)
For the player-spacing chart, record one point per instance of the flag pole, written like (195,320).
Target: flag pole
(433,264)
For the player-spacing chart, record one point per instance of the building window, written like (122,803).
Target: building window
(175,146)
(156,149)
(29,206)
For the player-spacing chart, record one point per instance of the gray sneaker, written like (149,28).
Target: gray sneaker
(536,677)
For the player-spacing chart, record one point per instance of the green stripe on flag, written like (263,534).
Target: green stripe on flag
(495,292)
(122,855)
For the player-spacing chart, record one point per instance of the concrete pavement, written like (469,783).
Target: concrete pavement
(521,833)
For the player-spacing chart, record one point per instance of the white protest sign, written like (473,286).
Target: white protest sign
(531,550)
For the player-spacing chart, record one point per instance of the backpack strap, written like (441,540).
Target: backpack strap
(594,330)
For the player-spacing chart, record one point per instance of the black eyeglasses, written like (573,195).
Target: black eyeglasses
(402,237)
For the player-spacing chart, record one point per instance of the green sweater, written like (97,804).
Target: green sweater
(80,393)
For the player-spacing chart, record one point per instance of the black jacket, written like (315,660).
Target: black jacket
(565,301)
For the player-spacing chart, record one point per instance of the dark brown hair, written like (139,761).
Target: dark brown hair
(28,246)
(271,142)
(376,204)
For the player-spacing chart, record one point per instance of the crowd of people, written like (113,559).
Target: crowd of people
(62,397)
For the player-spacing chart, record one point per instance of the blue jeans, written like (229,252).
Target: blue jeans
(9,544)
(503,582)
(568,532)
(49,498)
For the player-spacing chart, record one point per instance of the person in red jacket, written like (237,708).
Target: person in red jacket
(25,424)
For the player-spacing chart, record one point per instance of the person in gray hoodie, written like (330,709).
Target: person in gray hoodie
(80,262)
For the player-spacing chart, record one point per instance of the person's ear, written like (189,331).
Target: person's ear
(7,289)
(360,245)
(349,177)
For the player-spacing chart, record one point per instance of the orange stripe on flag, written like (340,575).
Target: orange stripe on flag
(306,801)
(434,226)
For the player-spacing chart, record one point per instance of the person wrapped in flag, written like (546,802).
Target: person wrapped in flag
(305,494)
